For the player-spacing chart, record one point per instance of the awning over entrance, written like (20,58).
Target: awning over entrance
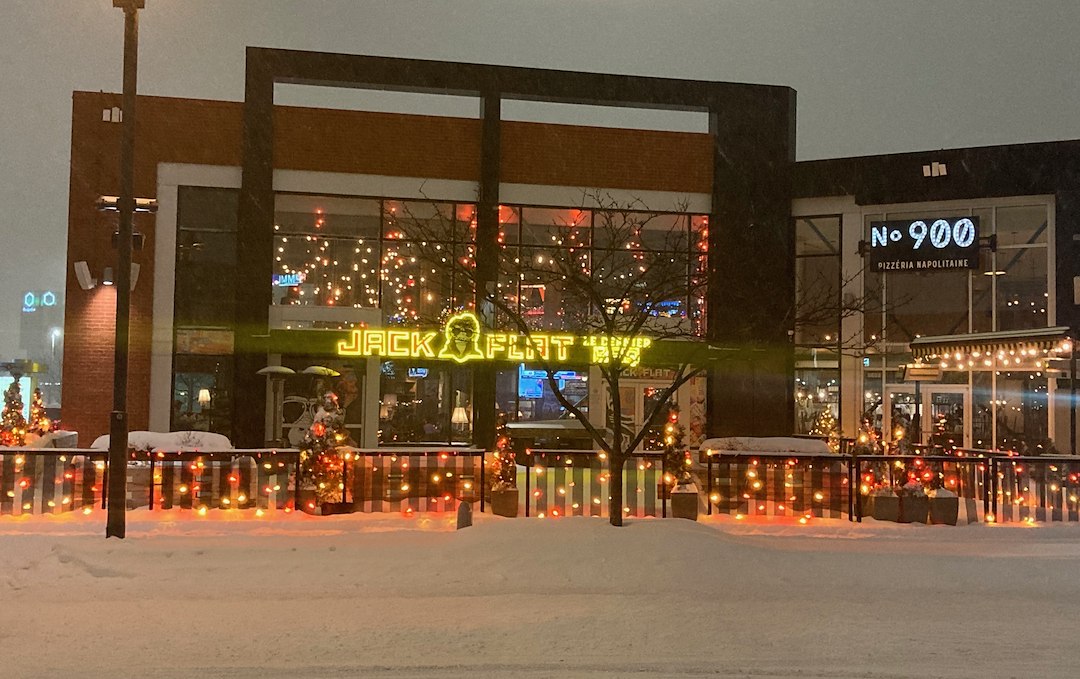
(986,346)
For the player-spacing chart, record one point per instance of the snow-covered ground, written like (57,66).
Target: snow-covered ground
(387,596)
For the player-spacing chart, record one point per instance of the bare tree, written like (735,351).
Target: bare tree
(626,277)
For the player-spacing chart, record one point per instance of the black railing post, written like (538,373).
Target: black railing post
(709,482)
(483,484)
(994,487)
(663,486)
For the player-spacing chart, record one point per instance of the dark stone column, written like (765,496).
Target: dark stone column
(487,259)
(254,246)
(751,260)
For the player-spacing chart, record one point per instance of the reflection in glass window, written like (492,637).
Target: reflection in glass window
(1022,292)
(326,251)
(424,402)
(206,257)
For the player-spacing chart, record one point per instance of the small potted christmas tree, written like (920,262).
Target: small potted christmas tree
(827,427)
(321,461)
(504,493)
(12,423)
(677,461)
(39,425)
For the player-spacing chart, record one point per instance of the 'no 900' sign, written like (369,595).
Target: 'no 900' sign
(920,244)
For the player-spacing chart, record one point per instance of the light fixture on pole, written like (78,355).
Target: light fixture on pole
(116,521)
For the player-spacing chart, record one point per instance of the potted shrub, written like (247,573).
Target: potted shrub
(885,505)
(914,505)
(944,506)
(504,492)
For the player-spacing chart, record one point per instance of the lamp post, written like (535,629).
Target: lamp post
(116,522)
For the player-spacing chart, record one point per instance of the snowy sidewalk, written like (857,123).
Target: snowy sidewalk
(384,596)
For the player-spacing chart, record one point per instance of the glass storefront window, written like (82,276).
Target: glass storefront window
(932,303)
(525,394)
(817,387)
(206,257)
(1021,225)
(326,251)
(1021,289)
(1022,414)
(202,394)
(424,402)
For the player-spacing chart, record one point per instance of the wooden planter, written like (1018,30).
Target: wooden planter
(914,509)
(944,510)
(885,507)
(505,502)
(684,504)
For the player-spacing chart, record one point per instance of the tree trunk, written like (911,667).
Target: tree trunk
(615,489)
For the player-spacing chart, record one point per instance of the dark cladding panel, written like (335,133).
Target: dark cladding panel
(751,252)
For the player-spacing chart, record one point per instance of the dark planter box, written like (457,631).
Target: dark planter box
(914,509)
(329,508)
(505,502)
(885,508)
(684,505)
(867,506)
(944,510)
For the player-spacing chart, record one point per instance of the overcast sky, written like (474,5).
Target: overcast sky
(872,76)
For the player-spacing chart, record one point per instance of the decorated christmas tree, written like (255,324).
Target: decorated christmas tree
(677,458)
(320,461)
(12,422)
(504,467)
(39,424)
(827,426)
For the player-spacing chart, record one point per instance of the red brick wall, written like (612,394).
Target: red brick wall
(209,132)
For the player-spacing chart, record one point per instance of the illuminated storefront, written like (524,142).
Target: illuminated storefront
(937,258)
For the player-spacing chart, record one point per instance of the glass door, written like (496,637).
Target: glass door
(944,417)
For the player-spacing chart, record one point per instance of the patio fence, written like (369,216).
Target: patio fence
(991,486)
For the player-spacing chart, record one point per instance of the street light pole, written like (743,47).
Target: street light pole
(116,522)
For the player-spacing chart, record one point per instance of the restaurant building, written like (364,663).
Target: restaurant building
(281,229)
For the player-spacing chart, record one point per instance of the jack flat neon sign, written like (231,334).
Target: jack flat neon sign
(461,340)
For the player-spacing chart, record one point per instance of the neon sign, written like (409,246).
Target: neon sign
(32,301)
(288,280)
(461,340)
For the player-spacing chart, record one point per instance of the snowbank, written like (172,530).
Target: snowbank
(766,444)
(152,441)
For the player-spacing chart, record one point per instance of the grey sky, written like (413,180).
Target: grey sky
(872,76)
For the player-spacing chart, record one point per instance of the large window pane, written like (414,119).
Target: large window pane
(326,250)
(206,257)
(1021,288)
(1022,225)
(934,303)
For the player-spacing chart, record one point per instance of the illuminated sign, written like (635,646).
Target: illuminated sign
(32,301)
(462,340)
(288,280)
(924,244)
